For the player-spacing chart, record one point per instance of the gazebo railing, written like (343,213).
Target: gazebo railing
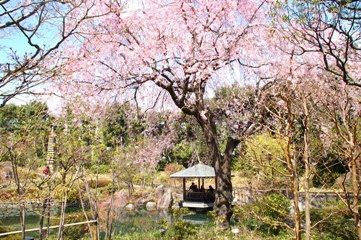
(206,197)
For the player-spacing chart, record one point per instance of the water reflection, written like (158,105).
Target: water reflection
(140,221)
(143,221)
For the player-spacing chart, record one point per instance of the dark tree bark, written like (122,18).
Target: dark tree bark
(221,163)
(42,217)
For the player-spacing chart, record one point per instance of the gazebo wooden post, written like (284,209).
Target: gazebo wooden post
(199,183)
(184,189)
(203,182)
(216,183)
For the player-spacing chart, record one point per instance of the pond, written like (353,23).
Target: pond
(140,221)
(12,223)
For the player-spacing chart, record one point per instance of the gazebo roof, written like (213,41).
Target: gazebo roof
(197,171)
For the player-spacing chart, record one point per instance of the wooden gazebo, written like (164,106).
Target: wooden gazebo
(199,199)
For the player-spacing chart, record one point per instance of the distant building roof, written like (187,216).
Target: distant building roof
(200,170)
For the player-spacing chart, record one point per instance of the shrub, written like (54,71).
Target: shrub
(111,188)
(328,169)
(102,182)
(173,167)
(275,206)
(268,215)
(334,222)
(101,168)
(72,193)
(178,212)
(180,154)
(180,230)
(154,235)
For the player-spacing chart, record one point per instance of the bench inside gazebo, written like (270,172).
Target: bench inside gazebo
(198,199)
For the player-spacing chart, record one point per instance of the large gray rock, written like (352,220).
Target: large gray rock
(151,206)
(166,201)
(120,200)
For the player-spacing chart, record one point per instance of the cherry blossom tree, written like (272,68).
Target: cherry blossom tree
(32,31)
(177,47)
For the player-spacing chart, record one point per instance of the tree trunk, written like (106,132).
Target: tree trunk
(356,193)
(85,214)
(224,189)
(222,167)
(297,214)
(19,191)
(291,162)
(48,213)
(292,168)
(42,216)
(307,202)
(62,217)
(306,180)
(22,219)
(109,221)
(94,210)
(48,220)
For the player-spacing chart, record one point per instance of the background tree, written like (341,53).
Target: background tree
(342,109)
(286,115)
(23,131)
(326,31)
